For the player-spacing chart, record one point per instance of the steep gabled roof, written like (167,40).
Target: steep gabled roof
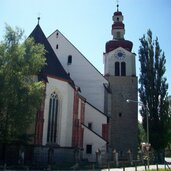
(54,67)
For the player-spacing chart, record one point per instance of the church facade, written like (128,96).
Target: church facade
(67,119)
(83,109)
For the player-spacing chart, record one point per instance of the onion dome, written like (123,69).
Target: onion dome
(114,44)
(118,25)
(118,32)
(117,13)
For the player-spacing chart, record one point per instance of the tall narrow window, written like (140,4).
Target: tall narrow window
(52,120)
(69,59)
(123,69)
(117,69)
(57,46)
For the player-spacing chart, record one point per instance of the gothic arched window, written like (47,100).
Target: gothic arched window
(123,69)
(52,119)
(117,69)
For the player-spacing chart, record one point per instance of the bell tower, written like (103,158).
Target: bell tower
(120,70)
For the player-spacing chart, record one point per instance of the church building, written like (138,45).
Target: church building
(72,114)
(84,110)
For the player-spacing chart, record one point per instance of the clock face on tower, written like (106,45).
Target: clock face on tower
(120,54)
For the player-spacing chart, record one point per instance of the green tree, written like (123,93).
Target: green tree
(169,145)
(20,93)
(153,91)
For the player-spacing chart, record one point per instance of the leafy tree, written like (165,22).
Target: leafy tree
(20,93)
(169,145)
(153,91)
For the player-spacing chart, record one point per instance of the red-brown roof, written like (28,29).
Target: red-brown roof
(118,25)
(114,44)
(117,13)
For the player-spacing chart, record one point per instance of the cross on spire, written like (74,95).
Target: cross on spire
(38,18)
(117,1)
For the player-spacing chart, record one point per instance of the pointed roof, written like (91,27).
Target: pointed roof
(53,68)
(118,27)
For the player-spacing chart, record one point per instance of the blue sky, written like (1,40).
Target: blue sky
(87,23)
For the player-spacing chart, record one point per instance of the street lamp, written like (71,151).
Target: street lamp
(147,122)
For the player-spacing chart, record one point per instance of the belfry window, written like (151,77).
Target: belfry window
(120,69)
(123,68)
(117,69)
(69,59)
(52,119)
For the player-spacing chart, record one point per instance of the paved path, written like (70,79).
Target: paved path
(139,168)
(168,159)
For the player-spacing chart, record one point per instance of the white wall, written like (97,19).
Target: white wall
(84,74)
(110,59)
(65,114)
(95,117)
(97,143)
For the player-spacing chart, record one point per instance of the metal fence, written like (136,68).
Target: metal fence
(17,156)
(37,157)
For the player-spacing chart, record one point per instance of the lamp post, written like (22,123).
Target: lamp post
(147,122)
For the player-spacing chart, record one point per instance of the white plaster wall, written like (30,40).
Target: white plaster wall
(95,117)
(84,74)
(114,32)
(65,114)
(97,143)
(121,18)
(110,59)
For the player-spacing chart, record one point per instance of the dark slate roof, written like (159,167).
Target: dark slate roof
(53,68)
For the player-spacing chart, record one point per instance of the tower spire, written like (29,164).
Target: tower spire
(117,5)
(118,32)
(38,19)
